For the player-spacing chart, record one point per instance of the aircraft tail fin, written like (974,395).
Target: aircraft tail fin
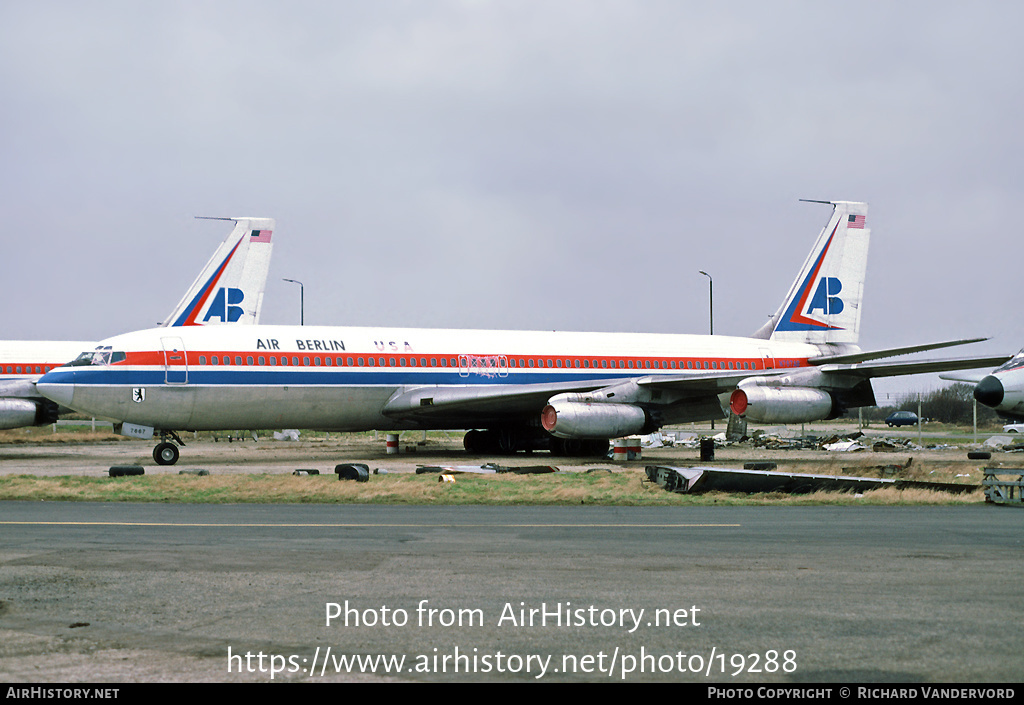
(230,287)
(824,303)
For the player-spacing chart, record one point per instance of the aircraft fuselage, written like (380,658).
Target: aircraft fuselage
(344,378)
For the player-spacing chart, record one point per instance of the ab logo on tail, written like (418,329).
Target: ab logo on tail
(226,306)
(824,302)
(824,298)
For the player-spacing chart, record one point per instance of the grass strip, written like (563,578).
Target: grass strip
(618,488)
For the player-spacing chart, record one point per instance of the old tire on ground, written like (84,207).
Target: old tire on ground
(126,470)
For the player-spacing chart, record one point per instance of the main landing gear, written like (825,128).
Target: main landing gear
(166,453)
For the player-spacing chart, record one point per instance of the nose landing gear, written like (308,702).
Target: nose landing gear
(166,453)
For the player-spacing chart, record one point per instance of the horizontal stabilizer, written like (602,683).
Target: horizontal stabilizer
(890,352)
(968,377)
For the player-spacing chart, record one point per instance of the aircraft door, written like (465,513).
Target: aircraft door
(766,357)
(175,361)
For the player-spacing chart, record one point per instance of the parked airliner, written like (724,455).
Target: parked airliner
(570,392)
(229,289)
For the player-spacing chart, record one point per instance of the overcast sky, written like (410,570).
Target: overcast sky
(523,165)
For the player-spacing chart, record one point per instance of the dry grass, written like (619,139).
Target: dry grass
(44,435)
(621,488)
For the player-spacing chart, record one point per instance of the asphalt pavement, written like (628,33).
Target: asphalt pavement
(150,592)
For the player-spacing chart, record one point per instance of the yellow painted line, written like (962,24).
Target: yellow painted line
(366,525)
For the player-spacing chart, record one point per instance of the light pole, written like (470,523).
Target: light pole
(711,313)
(711,300)
(302,301)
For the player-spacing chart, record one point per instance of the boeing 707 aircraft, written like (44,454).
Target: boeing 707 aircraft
(569,392)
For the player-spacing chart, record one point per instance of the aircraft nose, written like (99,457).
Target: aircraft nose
(989,391)
(62,391)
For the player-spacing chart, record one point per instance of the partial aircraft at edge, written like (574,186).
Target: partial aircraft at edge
(229,289)
(569,392)
(1001,390)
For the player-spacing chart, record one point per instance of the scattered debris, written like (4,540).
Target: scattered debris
(845,447)
(288,434)
(673,479)
(998,441)
(457,470)
(523,469)
(707,449)
(736,428)
(194,471)
(353,471)
(485,469)
(1010,491)
(655,440)
(891,470)
(302,471)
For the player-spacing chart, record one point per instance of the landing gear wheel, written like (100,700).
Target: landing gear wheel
(473,442)
(165,453)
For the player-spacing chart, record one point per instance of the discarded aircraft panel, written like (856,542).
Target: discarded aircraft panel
(454,470)
(695,480)
(523,469)
(486,469)
(359,472)
(680,480)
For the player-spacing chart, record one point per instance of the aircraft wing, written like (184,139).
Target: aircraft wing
(490,400)
(478,403)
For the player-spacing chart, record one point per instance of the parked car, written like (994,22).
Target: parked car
(901,418)
(1013,428)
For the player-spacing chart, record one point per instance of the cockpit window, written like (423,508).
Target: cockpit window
(1015,362)
(99,356)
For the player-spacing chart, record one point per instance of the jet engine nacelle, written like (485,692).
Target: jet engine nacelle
(16,413)
(1002,392)
(781,404)
(574,419)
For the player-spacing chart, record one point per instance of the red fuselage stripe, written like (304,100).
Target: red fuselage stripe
(510,362)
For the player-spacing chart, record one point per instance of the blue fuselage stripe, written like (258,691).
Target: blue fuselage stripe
(338,377)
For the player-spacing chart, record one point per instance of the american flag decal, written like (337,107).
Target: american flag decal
(856,222)
(260,236)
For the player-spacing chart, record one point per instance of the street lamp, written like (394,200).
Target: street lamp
(711,313)
(302,301)
(711,300)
